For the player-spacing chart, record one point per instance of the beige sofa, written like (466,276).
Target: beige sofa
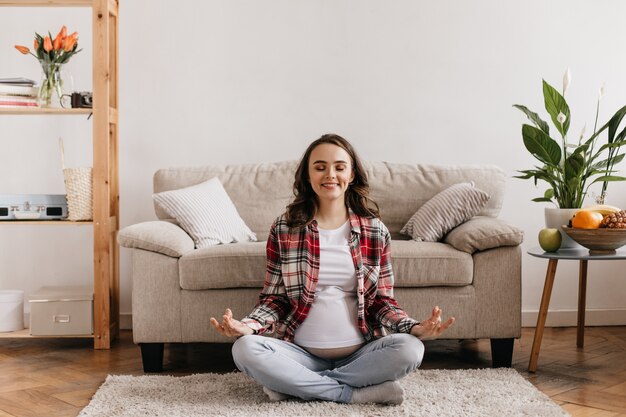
(474,273)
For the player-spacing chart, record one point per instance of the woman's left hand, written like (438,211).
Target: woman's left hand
(431,328)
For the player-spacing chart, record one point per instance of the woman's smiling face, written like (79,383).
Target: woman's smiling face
(330,172)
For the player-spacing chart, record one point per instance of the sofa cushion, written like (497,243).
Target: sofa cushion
(442,213)
(425,264)
(206,212)
(415,264)
(156,236)
(239,265)
(482,233)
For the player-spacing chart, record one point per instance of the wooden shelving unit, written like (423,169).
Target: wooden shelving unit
(105,162)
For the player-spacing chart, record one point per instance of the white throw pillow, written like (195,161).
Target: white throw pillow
(445,211)
(206,213)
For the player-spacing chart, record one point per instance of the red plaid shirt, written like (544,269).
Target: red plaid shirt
(293,259)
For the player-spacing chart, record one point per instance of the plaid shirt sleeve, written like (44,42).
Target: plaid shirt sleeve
(385,308)
(273,302)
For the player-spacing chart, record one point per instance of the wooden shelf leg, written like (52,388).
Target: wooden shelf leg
(543,313)
(582,296)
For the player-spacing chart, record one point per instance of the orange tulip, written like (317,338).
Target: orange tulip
(47,44)
(69,43)
(62,32)
(57,43)
(36,44)
(22,49)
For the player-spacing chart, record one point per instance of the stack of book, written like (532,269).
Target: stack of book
(18,92)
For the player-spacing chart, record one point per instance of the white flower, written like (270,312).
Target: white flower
(567,77)
(561,118)
(600,92)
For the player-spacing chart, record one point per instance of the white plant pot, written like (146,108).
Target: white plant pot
(557,217)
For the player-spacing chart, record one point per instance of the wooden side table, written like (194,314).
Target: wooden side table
(579,254)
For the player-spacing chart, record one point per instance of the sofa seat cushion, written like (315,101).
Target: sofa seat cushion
(237,265)
(242,265)
(426,264)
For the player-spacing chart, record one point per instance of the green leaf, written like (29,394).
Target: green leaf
(614,123)
(541,199)
(572,183)
(549,194)
(541,146)
(574,165)
(610,146)
(581,149)
(608,178)
(534,117)
(524,177)
(555,104)
(605,163)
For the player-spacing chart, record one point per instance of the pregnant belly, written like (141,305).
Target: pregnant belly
(333,353)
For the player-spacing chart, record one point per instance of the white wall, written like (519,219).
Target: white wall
(249,81)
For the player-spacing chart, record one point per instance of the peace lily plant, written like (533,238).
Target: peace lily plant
(570,169)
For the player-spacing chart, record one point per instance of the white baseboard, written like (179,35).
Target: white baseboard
(567,318)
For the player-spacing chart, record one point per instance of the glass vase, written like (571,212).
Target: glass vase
(56,86)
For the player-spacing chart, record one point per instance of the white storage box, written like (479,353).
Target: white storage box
(11,310)
(61,311)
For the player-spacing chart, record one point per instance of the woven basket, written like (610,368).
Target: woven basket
(78,187)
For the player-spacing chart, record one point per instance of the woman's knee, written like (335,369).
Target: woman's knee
(245,349)
(410,350)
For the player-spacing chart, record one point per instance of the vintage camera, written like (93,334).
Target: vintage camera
(82,100)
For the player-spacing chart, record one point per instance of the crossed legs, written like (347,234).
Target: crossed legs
(287,368)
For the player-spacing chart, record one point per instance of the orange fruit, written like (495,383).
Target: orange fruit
(587,219)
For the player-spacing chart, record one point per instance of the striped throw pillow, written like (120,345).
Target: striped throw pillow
(445,211)
(206,213)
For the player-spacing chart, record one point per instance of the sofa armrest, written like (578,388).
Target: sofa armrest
(482,233)
(156,236)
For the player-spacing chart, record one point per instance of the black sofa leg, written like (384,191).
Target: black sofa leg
(152,356)
(502,352)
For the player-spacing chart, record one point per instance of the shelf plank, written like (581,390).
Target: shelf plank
(46,3)
(25,333)
(40,110)
(45,222)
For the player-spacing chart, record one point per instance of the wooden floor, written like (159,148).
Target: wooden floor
(57,377)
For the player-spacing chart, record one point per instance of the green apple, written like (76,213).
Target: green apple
(550,239)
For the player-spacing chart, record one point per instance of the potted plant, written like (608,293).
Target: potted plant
(568,168)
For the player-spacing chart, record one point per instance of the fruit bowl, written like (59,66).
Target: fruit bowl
(598,241)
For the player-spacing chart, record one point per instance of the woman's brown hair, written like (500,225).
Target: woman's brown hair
(305,204)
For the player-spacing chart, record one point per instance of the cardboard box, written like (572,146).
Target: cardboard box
(61,311)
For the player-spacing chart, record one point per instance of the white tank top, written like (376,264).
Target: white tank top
(332,319)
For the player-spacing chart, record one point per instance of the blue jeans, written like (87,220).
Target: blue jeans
(287,368)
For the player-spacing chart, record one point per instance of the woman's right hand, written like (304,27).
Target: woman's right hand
(432,327)
(230,327)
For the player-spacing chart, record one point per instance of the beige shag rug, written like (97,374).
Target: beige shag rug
(454,393)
